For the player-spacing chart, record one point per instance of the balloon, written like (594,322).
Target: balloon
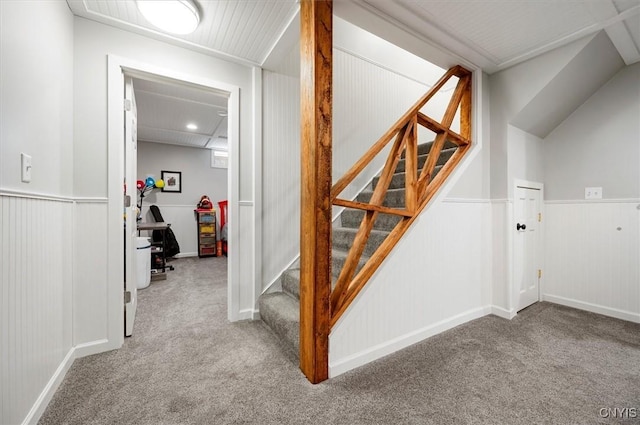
(151,181)
(140,184)
(160,183)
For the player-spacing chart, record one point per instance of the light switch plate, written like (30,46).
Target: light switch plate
(26,167)
(592,193)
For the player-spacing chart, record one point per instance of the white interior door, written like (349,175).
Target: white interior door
(527,215)
(131,159)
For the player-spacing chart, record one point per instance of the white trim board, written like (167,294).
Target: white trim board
(503,312)
(593,201)
(593,308)
(41,403)
(403,341)
(34,195)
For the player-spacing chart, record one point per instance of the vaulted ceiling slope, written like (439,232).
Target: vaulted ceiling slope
(492,35)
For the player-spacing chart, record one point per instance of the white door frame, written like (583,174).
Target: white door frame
(117,67)
(513,288)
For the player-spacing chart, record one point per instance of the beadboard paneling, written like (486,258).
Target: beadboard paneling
(90,285)
(436,278)
(280,167)
(36,299)
(592,257)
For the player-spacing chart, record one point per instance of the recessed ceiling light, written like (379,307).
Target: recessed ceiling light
(192,126)
(222,113)
(173,16)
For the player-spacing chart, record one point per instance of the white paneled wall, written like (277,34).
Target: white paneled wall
(368,99)
(35,302)
(280,168)
(501,212)
(436,278)
(592,256)
(90,285)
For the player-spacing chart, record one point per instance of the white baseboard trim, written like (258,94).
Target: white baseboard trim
(503,312)
(593,308)
(93,347)
(50,389)
(374,353)
(248,314)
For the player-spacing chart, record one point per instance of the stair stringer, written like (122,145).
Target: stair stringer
(362,320)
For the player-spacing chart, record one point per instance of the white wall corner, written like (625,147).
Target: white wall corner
(503,312)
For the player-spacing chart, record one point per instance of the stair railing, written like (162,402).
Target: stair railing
(420,185)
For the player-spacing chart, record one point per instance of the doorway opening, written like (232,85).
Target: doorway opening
(181,134)
(527,243)
(149,76)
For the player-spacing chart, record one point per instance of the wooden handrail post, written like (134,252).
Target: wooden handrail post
(316,59)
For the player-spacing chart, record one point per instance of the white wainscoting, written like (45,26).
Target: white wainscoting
(280,167)
(501,282)
(90,282)
(247,296)
(592,256)
(435,279)
(35,302)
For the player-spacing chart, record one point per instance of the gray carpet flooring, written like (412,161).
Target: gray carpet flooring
(186,364)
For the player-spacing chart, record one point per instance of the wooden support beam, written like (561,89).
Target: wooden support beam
(316,60)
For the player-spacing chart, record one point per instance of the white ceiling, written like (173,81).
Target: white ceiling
(490,34)
(242,30)
(497,34)
(164,110)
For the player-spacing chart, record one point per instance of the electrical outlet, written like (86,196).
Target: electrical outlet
(26,167)
(592,193)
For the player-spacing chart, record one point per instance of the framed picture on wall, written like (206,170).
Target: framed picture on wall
(172,181)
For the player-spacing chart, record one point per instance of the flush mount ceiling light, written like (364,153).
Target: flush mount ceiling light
(192,126)
(173,16)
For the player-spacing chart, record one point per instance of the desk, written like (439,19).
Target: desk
(157,248)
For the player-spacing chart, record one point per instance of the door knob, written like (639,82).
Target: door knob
(521,226)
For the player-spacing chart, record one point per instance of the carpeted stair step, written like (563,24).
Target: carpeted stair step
(339,258)
(395,198)
(343,239)
(445,154)
(425,148)
(353,218)
(290,280)
(398,179)
(281,313)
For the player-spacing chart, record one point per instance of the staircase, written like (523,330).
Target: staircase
(281,310)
